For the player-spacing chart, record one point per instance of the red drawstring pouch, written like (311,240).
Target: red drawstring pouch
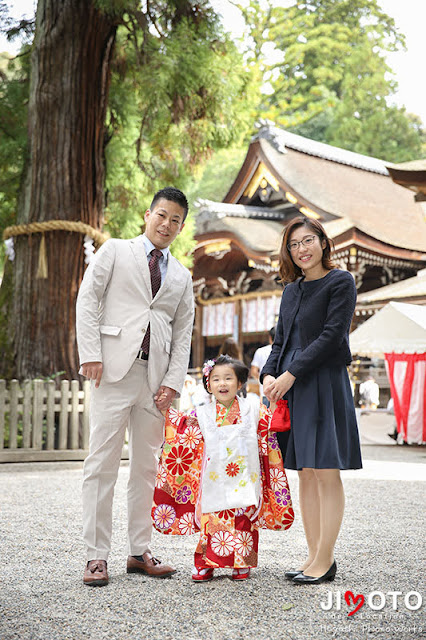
(281,417)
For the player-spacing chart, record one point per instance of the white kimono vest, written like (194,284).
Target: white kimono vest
(231,469)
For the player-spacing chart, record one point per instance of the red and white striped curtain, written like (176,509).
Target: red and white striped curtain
(218,319)
(259,314)
(407,377)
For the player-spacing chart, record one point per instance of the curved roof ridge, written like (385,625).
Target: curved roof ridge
(281,138)
(222,209)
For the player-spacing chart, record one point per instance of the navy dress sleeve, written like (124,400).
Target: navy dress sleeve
(335,332)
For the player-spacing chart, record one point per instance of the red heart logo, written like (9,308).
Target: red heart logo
(351,599)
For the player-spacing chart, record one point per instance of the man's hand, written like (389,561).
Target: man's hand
(164,398)
(93,371)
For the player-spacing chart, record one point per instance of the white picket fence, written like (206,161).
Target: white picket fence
(39,422)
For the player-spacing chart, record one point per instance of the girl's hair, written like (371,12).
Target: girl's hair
(240,369)
(289,271)
(230,348)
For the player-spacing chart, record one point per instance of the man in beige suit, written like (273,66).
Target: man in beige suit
(135,312)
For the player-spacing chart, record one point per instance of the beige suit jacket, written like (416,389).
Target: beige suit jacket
(115,306)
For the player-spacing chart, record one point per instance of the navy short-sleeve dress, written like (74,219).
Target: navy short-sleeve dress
(324,431)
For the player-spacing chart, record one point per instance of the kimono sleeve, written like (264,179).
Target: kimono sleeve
(277,509)
(177,484)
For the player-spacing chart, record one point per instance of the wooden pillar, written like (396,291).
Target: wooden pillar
(198,338)
(239,314)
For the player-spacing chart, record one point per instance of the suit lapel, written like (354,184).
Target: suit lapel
(170,276)
(138,248)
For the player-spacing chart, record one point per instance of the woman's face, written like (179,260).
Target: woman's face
(306,249)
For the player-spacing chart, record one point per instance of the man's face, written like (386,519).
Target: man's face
(164,222)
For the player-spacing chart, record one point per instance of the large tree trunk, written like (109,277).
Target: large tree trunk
(64,178)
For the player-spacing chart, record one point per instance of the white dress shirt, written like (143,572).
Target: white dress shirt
(163,261)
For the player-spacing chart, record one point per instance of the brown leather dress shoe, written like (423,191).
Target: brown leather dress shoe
(150,566)
(95,573)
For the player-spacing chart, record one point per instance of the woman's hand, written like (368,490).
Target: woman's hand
(279,386)
(267,382)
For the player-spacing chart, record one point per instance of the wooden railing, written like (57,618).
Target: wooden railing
(39,422)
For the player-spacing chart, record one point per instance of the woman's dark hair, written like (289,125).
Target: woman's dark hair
(230,348)
(289,272)
(240,369)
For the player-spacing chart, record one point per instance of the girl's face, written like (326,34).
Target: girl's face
(224,384)
(307,256)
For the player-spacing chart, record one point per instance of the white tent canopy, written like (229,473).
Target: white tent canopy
(397,328)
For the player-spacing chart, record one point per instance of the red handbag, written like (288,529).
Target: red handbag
(281,417)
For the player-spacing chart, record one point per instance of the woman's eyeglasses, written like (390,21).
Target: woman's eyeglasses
(307,242)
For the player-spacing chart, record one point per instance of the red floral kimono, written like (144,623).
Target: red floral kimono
(228,538)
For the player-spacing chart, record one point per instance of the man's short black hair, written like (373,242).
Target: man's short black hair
(174,195)
(272,333)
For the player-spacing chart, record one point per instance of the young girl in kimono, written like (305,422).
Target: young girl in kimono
(221,473)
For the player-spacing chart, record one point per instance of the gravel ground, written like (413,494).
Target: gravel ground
(381,548)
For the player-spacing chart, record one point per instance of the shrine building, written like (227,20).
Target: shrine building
(377,226)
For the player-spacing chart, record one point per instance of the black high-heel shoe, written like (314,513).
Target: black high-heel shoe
(292,574)
(327,577)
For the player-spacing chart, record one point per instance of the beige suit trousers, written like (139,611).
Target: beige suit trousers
(128,403)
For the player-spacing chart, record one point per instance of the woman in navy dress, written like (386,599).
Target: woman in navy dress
(307,367)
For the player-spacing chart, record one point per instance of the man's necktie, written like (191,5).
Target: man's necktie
(154,269)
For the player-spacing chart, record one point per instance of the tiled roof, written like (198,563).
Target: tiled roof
(370,199)
(282,139)
(336,227)
(411,165)
(409,288)
(209,208)
(259,236)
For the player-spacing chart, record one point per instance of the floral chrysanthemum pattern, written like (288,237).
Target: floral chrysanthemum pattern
(222,543)
(272,440)
(174,416)
(191,437)
(232,469)
(278,479)
(225,514)
(164,516)
(161,476)
(243,543)
(179,460)
(183,494)
(186,524)
(283,497)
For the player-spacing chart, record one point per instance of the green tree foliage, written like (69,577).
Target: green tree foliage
(175,98)
(183,93)
(330,80)
(14,74)
(217,175)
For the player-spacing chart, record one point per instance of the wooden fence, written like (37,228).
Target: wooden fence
(39,422)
